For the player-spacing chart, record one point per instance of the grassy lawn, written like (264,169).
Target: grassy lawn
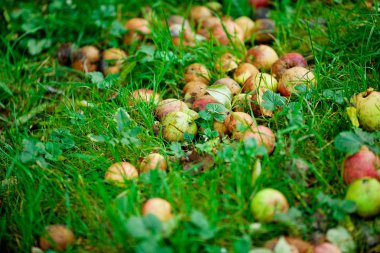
(55,149)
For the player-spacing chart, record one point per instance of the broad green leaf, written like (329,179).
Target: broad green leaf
(95,77)
(53,151)
(204,114)
(122,119)
(221,93)
(272,100)
(348,142)
(136,228)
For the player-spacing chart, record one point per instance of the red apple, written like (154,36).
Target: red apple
(158,207)
(262,56)
(197,72)
(326,247)
(364,163)
(244,71)
(227,31)
(258,3)
(173,105)
(201,102)
(233,86)
(293,77)
(261,80)
(266,203)
(288,61)
(238,118)
(263,135)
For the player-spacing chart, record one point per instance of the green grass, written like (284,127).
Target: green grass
(71,190)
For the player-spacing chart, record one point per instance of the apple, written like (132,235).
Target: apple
(266,203)
(242,102)
(293,77)
(231,84)
(296,244)
(144,95)
(247,25)
(263,136)
(209,23)
(173,105)
(226,63)
(153,161)
(264,30)
(199,13)
(201,102)
(120,171)
(238,118)
(364,163)
(178,20)
(194,90)
(158,207)
(57,237)
(261,80)
(227,31)
(257,101)
(365,193)
(368,109)
(220,127)
(137,28)
(176,124)
(112,60)
(86,59)
(288,61)
(262,56)
(258,3)
(244,71)
(326,247)
(197,72)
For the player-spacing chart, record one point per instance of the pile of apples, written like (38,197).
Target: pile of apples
(246,81)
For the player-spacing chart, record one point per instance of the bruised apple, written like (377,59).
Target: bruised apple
(264,30)
(368,109)
(118,172)
(137,29)
(293,77)
(144,95)
(363,163)
(158,207)
(288,61)
(228,31)
(261,80)
(244,71)
(153,161)
(266,203)
(86,59)
(57,237)
(197,72)
(176,124)
(257,101)
(199,13)
(173,105)
(112,60)
(242,102)
(236,120)
(231,84)
(262,56)
(201,102)
(263,136)
(247,25)
(226,63)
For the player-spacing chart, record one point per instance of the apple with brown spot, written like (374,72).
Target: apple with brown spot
(262,56)
(153,161)
(288,61)
(201,102)
(57,237)
(137,28)
(231,84)
(86,59)
(247,25)
(112,60)
(244,71)
(263,136)
(293,77)
(226,63)
(197,72)
(261,80)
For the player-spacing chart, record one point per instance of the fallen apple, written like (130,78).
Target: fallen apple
(173,105)
(197,72)
(266,203)
(326,247)
(261,80)
(365,193)
(288,61)
(257,101)
(158,207)
(199,13)
(244,71)
(262,56)
(296,244)
(112,60)
(57,237)
(120,171)
(144,95)
(201,102)
(178,20)
(226,63)
(293,77)
(242,102)
(176,124)
(228,31)
(264,30)
(258,3)
(153,161)
(231,84)
(194,90)
(137,29)
(86,59)
(368,109)
(247,25)
(263,136)
(237,120)
(363,163)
